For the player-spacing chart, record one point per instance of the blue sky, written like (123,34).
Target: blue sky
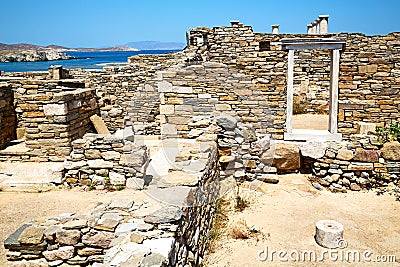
(97,23)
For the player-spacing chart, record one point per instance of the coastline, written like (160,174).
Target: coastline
(84,60)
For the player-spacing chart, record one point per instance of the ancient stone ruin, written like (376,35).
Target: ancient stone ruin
(175,125)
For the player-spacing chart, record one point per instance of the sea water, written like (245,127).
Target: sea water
(85,60)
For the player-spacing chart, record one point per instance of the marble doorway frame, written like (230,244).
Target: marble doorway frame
(335,45)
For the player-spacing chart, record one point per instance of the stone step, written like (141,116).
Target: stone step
(30,177)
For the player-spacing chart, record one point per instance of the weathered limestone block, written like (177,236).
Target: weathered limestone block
(391,151)
(365,128)
(313,149)
(166,214)
(63,253)
(364,155)
(227,122)
(285,157)
(100,164)
(116,178)
(135,183)
(68,237)
(368,68)
(345,154)
(98,239)
(32,235)
(55,109)
(167,109)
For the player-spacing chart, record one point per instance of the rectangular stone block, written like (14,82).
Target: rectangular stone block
(360,166)
(223,107)
(368,68)
(99,125)
(55,109)
(182,89)
(167,109)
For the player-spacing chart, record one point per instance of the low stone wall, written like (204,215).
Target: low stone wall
(361,163)
(128,232)
(106,161)
(192,236)
(7,115)
(53,121)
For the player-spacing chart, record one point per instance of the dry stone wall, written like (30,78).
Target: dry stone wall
(7,115)
(100,161)
(369,81)
(53,121)
(215,88)
(369,71)
(361,163)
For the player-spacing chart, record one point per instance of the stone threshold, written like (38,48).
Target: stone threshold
(308,135)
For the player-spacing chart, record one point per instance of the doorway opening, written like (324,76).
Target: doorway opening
(333,46)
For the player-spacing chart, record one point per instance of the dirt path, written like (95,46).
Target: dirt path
(287,213)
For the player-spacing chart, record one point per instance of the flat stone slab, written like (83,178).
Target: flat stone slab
(160,245)
(125,227)
(176,195)
(167,214)
(120,203)
(106,224)
(12,241)
(75,224)
(32,235)
(177,178)
(30,174)
(99,125)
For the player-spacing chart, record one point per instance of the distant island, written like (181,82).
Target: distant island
(30,53)
(155,45)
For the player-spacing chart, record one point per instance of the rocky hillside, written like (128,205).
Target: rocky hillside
(32,55)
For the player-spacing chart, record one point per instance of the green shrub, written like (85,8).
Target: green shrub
(299,107)
(389,133)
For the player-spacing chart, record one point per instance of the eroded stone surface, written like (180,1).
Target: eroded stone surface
(164,215)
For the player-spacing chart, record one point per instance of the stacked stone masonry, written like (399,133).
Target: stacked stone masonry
(104,160)
(7,115)
(128,91)
(361,163)
(369,77)
(53,120)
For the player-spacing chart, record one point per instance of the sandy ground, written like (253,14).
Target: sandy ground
(310,121)
(17,208)
(287,212)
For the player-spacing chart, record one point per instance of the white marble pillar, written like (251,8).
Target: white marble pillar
(314,28)
(309,28)
(289,92)
(334,91)
(275,29)
(324,24)
(317,21)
